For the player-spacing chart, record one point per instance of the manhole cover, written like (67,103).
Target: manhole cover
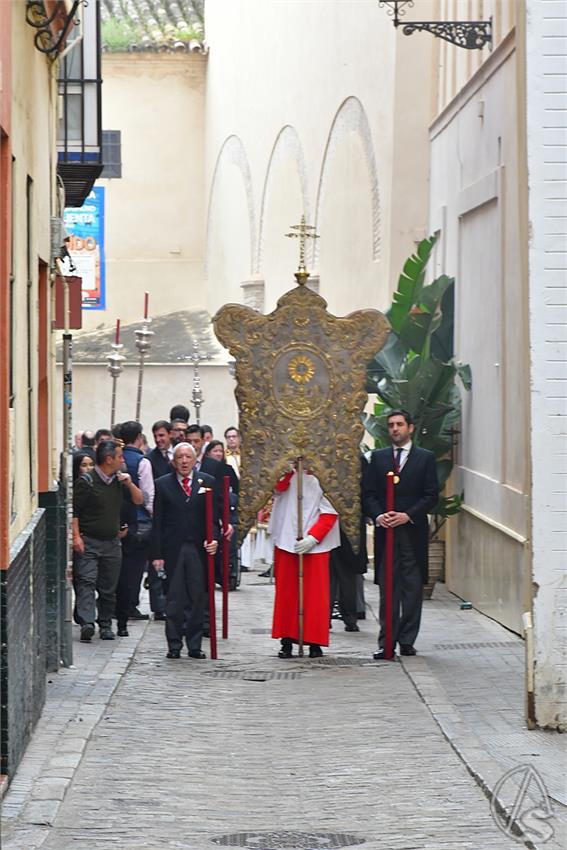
(342,661)
(253,675)
(288,840)
(489,644)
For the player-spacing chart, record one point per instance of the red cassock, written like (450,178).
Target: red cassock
(315,587)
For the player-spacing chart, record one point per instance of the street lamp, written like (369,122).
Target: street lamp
(472,35)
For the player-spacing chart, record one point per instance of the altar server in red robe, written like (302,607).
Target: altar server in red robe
(320,535)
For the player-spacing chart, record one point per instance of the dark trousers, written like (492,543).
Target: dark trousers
(408,592)
(343,588)
(186,599)
(135,553)
(96,571)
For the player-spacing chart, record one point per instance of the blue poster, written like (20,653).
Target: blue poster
(85,225)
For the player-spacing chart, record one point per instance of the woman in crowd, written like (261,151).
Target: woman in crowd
(83,464)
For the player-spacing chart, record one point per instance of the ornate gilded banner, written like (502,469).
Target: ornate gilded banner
(300,375)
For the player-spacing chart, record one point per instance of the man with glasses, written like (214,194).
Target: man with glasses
(179,430)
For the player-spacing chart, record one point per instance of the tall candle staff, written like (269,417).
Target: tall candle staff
(115,361)
(197,399)
(143,344)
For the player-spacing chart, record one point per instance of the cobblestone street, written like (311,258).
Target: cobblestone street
(245,751)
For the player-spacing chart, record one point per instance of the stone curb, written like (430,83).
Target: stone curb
(484,769)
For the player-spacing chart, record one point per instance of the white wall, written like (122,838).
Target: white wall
(546,36)
(476,210)
(300,118)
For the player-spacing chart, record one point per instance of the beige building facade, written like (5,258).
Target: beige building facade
(497,204)
(154,236)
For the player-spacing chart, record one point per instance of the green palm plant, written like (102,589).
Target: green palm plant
(416,371)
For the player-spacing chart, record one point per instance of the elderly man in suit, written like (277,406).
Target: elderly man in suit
(415,494)
(179,546)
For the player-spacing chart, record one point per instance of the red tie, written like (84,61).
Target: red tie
(186,486)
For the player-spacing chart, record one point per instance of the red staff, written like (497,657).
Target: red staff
(225,554)
(389,571)
(211,572)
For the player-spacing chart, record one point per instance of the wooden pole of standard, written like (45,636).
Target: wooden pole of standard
(300,557)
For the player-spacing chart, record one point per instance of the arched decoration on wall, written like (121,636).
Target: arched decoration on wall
(233,152)
(351,118)
(287,144)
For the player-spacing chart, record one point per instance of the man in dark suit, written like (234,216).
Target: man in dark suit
(160,457)
(206,463)
(415,494)
(180,547)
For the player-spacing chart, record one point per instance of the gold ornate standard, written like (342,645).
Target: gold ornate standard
(300,376)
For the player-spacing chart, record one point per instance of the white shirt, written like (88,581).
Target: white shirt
(146,484)
(404,455)
(283,521)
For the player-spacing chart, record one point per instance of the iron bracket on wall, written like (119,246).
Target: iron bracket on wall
(37,17)
(472,35)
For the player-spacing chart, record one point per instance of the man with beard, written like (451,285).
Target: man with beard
(415,494)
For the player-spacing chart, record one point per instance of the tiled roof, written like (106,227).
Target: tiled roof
(173,340)
(153,25)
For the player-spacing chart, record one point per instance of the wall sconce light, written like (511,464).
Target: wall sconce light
(472,35)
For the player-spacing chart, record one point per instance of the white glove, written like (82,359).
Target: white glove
(302,547)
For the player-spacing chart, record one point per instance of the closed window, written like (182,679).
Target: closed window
(111,153)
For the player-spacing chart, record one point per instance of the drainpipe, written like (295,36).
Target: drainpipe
(528,624)
(67,642)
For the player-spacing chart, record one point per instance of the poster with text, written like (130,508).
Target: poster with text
(85,226)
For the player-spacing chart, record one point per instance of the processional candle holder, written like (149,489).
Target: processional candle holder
(115,367)
(197,400)
(143,344)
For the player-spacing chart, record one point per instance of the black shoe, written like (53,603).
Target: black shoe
(173,653)
(159,616)
(106,633)
(232,583)
(87,631)
(381,656)
(136,614)
(315,650)
(407,649)
(244,569)
(196,653)
(361,615)
(122,632)
(206,633)
(286,650)
(266,574)
(351,627)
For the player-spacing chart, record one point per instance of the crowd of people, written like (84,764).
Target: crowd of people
(138,510)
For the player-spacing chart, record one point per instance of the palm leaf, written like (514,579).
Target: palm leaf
(410,284)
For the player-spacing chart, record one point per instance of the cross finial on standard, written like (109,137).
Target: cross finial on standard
(304,231)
